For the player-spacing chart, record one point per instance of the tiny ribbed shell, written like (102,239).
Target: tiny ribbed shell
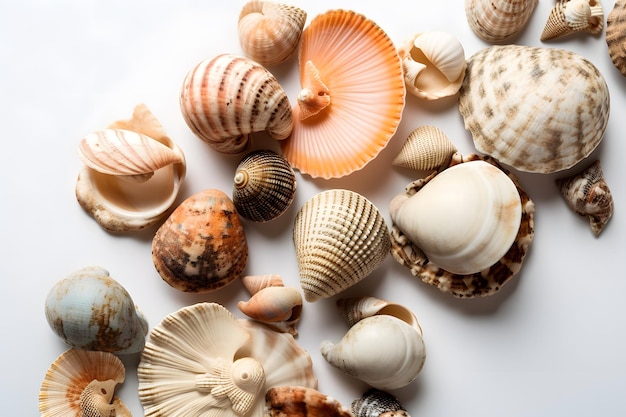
(264,186)
(352,95)
(81,383)
(294,401)
(340,237)
(616,35)
(226,98)
(201,360)
(433,64)
(588,194)
(378,403)
(201,246)
(572,16)
(269,32)
(536,109)
(497,21)
(426,148)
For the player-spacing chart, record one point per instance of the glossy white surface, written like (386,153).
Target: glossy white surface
(552,342)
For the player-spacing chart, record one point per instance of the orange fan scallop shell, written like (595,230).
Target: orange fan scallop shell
(352,95)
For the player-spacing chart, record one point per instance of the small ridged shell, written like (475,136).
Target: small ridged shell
(264,186)
(293,401)
(485,282)
(377,403)
(616,35)
(340,238)
(433,64)
(572,16)
(81,383)
(220,103)
(201,246)
(201,360)
(588,194)
(269,32)
(352,95)
(425,148)
(498,21)
(533,108)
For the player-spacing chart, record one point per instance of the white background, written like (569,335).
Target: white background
(552,342)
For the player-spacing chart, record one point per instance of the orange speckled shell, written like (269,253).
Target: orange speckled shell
(360,66)
(201,247)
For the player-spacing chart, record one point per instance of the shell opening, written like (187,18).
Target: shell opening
(424,74)
(314,96)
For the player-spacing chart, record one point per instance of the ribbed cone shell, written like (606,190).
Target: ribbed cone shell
(340,238)
(496,21)
(264,186)
(359,64)
(426,148)
(559,25)
(616,35)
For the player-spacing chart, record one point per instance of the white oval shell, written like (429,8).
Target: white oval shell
(535,109)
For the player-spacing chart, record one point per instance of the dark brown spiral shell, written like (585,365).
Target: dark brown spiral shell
(377,403)
(264,186)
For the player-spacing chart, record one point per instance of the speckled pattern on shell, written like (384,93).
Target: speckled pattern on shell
(485,282)
(340,238)
(533,108)
(616,35)
(378,403)
(293,401)
(201,246)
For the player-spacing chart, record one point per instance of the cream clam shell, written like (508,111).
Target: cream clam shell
(340,238)
(536,109)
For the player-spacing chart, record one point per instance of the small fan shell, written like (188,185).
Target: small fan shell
(264,186)
(498,21)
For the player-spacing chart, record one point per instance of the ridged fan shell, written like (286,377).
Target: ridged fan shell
(81,383)
(498,21)
(264,186)
(572,16)
(226,98)
(269,32)
(201,246)
(340,238)
(425,148)
(533,108)
(616,35)
(588,194)
(352,95)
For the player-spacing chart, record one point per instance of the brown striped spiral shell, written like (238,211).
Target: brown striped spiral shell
(264,186)
(616,35)
(227,98)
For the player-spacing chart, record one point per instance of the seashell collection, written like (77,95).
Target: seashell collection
(464,224)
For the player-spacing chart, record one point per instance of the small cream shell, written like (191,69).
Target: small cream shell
(433,64)
(269,32)
(498,21)
(426,148)
(572,16)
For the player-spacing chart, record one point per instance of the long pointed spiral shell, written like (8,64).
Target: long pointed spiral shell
(426,148)
(81,383)
(588,194)
(498,21)
(269,32)
(378,403)
(264,186)
(340,238)
(227,98)
(571,16)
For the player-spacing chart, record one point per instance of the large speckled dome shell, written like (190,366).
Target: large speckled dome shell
(535,109)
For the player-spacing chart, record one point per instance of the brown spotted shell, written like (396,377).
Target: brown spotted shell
(294,401)
(533,108)
(340,238)
(616,35)
(426,148)
(264,186)
(588,194)
(483,283)
(227,98)
(201,246)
